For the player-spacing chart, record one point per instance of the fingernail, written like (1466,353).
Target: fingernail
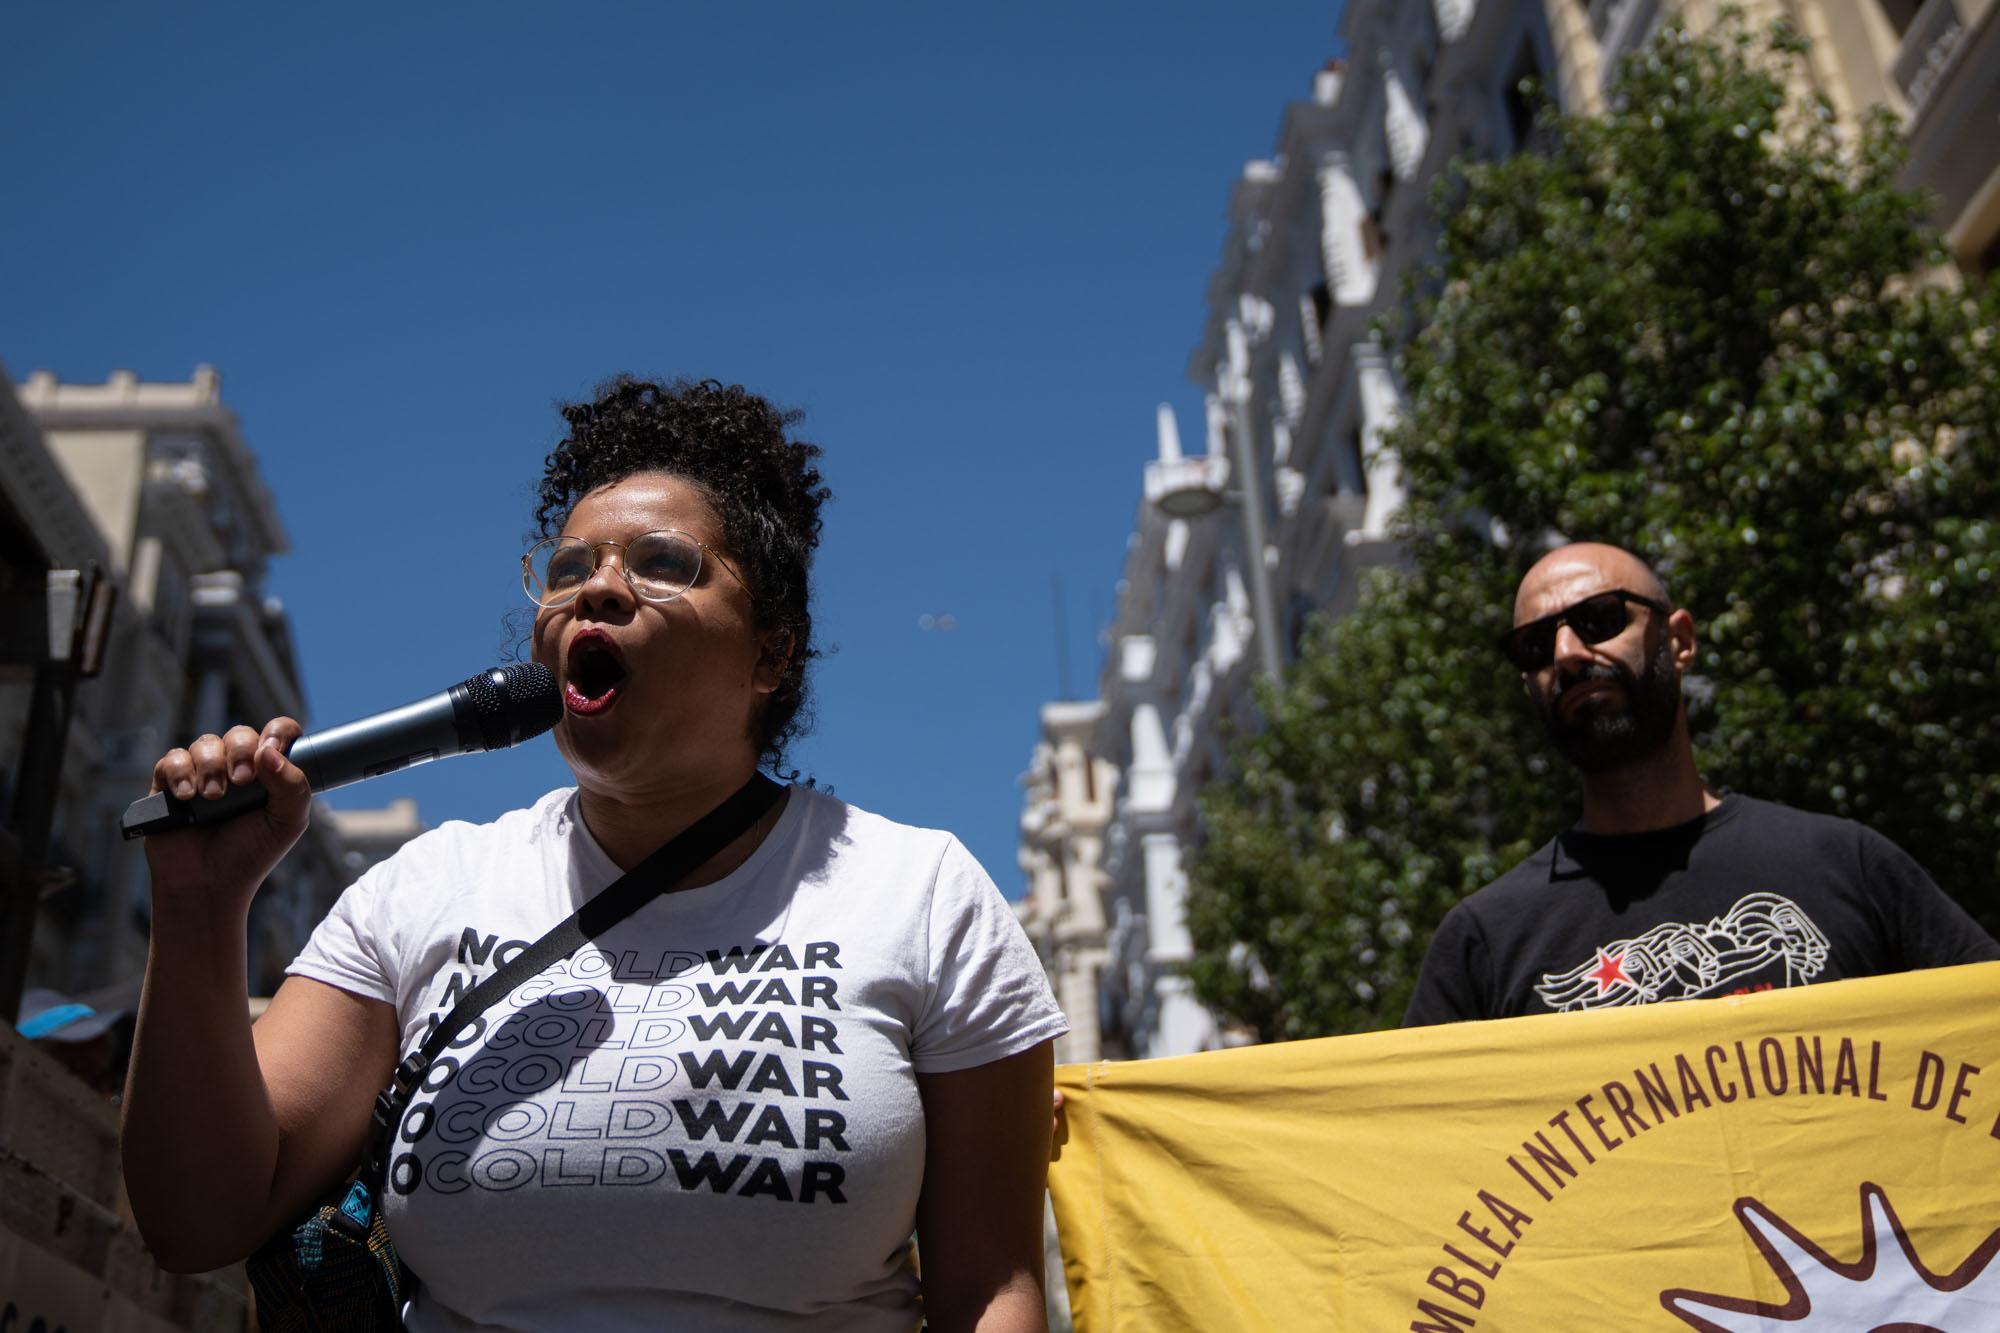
(184,791)
(211,789)
(242,773)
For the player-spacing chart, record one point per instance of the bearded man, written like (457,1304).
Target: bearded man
(1667,888)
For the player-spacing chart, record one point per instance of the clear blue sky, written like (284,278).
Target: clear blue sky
(971,243)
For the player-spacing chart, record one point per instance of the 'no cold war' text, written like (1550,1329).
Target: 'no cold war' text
(614,1069)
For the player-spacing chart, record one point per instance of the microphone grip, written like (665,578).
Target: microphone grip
(159,812)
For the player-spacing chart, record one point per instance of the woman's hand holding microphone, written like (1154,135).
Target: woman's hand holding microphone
(222,864)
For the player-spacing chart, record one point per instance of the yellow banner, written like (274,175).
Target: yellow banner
(1823,1158)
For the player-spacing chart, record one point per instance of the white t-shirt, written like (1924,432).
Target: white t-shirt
(706,1119)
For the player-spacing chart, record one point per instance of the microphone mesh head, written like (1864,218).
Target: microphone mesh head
(514,703)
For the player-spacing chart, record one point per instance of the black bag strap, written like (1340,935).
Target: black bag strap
(659,873)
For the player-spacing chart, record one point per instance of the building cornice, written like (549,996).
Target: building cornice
(38,492)
(124,402)
(222,605)
(1964,94)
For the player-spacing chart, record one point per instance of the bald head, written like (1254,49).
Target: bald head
(1568,574)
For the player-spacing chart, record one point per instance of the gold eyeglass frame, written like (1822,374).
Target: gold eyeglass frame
(529,583)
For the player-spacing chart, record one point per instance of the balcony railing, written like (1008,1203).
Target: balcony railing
(1927,51)
(1620,26)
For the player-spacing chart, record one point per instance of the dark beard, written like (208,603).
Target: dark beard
(1598,739)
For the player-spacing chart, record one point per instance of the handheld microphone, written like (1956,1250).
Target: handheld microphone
(489,711)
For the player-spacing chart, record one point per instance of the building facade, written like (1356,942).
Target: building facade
(183,522)
(1934,64)
(49,550)
(1289,500)
(1063,818)
(154,486)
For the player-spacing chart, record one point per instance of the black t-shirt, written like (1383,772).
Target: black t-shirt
(1749,896)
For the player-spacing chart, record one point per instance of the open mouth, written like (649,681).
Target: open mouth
(593,673)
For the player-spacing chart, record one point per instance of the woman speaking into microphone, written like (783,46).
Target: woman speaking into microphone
(731,1107)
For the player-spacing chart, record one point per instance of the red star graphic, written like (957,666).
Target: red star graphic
(1609,972)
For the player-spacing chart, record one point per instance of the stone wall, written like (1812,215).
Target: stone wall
(71,1260)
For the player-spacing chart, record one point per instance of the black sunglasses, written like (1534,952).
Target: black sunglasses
(1532,646)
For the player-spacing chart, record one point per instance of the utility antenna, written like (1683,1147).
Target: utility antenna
(1062,637)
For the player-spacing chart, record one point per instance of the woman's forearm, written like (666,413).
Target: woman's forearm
(1017,1307)
(200,1138)
(979,1218)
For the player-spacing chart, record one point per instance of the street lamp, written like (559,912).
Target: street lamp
(1187,488)
(59,629)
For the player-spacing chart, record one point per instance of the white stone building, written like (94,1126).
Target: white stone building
(1299,392)
(1062,839)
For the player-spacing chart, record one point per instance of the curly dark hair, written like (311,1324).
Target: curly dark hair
(763,485)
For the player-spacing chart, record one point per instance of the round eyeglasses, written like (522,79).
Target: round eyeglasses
(658,566)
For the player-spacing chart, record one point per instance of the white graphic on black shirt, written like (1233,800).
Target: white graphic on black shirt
(1680,961)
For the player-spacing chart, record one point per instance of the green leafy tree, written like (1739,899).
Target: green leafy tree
(1707,326)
